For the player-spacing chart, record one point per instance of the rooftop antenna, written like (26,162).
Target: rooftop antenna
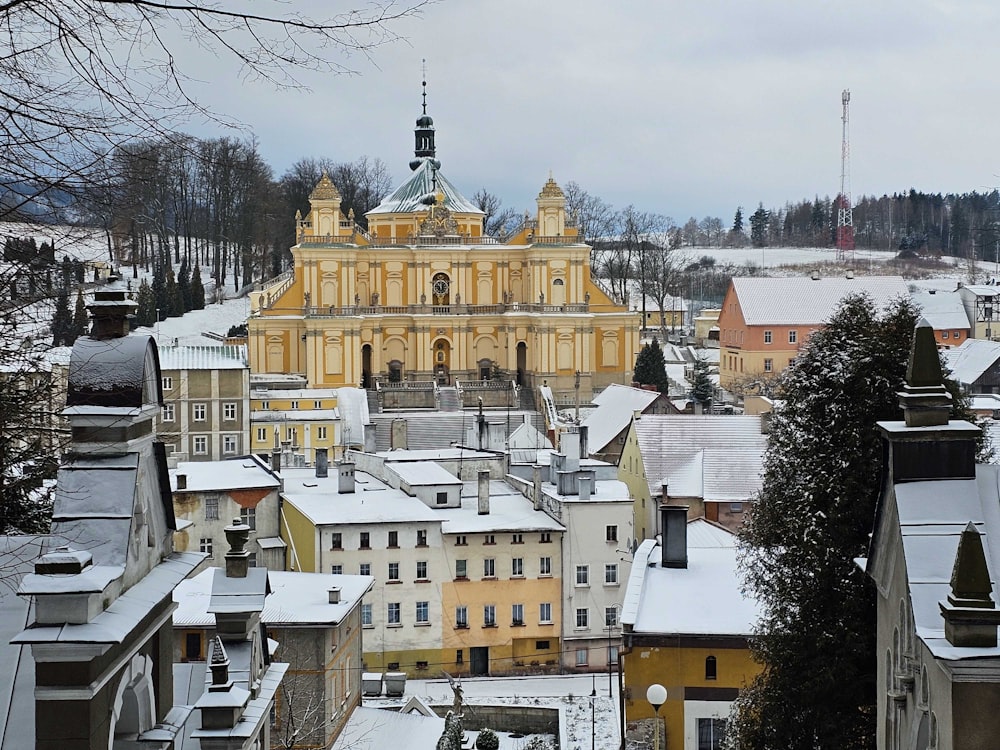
(845,216)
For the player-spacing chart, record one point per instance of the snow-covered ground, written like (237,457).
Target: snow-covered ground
(191,328)
(585,723)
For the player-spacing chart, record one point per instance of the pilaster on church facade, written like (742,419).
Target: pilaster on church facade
(423,295)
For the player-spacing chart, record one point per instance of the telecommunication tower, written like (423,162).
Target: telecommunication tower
(845,217)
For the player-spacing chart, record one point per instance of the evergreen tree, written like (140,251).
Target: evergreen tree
(172,293)
(159,286)
(184,286)
(758,226)
(702,387)
(812,518)
(197,290)
(650,368)
(738,221)
(80,319)
(62,321)
(145,314)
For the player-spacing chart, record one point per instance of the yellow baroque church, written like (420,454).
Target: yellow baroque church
(425,296)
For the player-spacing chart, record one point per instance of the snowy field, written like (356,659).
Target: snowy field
(584,727)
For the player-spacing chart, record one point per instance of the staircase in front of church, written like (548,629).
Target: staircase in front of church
(449,399)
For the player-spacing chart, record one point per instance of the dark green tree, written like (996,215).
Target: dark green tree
(159,286)
(62,321)
(702,387)
(811,520)
(650,368)
(197,290)
(738,220)
(172,294)
(758,226)
(145,314)
(81,322)
(184,286)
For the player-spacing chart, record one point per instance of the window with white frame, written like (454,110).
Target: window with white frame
(611,533)
(337,570)
(321,433)
(295,404)
(489,568)
(336,540)
(200,412)
(249,517)
(229,411)
(421,537)
(211,507)
(581,657)
(317,404)
(423,613)
(517,614)
(611,617)
(768,365)
(168,383)
(793,337)
(167,413)
(546,537)
(767,337)
(200,443)
(489,615)
(230,444)
(611,574)
(366,615)
(205,545)
(421,570)
(582,575)
(265,405)
(711,734)
(261,434)
(461,569)
(461,617)
(394,571)
(392,613)
(364,569)
(517,539)
(517,567)
(545,566)
(545,612)
(582,617)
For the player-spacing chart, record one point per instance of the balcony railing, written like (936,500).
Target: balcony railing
(333,311)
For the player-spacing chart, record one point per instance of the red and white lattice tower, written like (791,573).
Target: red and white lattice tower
(845,217)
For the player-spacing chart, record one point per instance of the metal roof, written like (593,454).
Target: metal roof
(969,361)
(226,357)
(425,179)
(802,300)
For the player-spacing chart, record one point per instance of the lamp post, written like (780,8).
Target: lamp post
(576,387)
(611,625)
(656,694)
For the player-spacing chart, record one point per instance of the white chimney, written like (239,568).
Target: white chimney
(484,493)
(334,595)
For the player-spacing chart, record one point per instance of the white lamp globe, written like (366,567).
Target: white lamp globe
(656,694)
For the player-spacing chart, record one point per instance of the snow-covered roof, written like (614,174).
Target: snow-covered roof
(615,406)
(722,454)
(527,437)
(932,516)
(943,310)
(801,300)
(294,598)
(974,357)
(372,501)
(219,476)
(705,598)
(227,357)
(435,454)
(425,179)
(982,290)
(423,474)
(376,728)
(509,511)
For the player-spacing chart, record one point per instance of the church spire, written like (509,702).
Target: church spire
(424,132)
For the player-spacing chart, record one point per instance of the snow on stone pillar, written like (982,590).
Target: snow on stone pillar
(484,493)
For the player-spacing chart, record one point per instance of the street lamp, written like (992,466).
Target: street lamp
(656,694)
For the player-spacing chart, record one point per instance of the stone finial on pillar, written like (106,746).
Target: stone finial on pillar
(970,614)
(238,557)
(924,399)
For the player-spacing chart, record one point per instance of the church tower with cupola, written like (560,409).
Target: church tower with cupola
(423,297)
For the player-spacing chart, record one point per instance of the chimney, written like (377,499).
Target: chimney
(850,274)
(322,465)
(345,477)
(814,275)
(484,493)
(182,481)
(584,485)
(397,435)
(536,487)
(109,314)
(673,540)
(584,441)
(276,460)
(569,446)
(334,594)
(237,558)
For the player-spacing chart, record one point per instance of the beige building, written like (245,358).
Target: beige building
(206,402)
(424,296)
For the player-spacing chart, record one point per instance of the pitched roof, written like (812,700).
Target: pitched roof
(425,179)
(720,454)
(615,406)
(227,357)
(974,357)
(801,300)
(943,310)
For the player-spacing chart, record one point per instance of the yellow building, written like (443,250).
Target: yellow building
(424,295)
(685,626)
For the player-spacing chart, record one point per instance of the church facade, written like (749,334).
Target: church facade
(425,295)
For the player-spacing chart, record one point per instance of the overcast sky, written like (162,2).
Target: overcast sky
(682,107)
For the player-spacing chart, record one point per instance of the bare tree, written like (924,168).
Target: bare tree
(499,221)
(660,272)
(73,88)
